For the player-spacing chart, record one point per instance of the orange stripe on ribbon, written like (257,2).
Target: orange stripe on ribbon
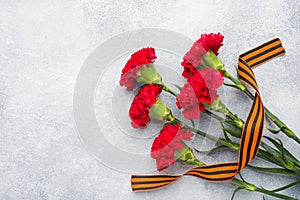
(251,134)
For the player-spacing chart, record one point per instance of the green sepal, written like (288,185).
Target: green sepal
(244,185)
(148,75)
(210,60)
(160,111)
(216,105)
(187,156)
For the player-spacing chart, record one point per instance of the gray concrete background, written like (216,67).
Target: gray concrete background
(43,45)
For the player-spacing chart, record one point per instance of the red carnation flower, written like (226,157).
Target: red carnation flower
(213,78)
(139,114)
(194,56)
(140,107)
(211,41)
(169,140)
(131,69)
(188,100)
(205,83)
(188,68)
(148,93)
(201,88)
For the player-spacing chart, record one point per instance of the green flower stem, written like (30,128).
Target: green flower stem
(237,121)
(229,144)
(217,117)
(241,184)
(167,89)
(281,125)
(236,82)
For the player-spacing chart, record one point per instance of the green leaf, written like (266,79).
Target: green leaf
(235,191)
(282,149)
(230,85)
(267,156)
(177,86)
(213,149)
(242,177)
(274,194)
(225,133)
(274,131)
(236,68)
(193,123)
(235,133)
(271,170)
(286,187)
(279,145)
(273,152)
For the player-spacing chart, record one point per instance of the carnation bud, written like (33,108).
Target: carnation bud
(148,75)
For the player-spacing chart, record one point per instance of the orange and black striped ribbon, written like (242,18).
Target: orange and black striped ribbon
(252,130)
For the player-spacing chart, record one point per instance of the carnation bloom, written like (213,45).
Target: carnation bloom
(188,68)
(188,100)
(139,114)
(201,88)
(207,42)
(147,94)
(145,105)
(211,41)
(142,103)
(165,145)
(142,58)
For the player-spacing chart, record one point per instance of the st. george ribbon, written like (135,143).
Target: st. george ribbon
(251,135)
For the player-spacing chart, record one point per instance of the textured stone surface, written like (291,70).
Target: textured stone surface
(43,46)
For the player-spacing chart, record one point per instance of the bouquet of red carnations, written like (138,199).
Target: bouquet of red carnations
(205,73)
